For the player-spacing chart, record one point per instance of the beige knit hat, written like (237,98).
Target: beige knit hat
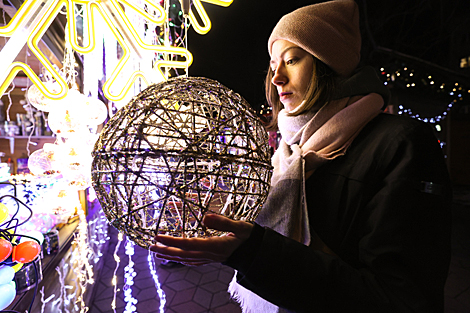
(328,30)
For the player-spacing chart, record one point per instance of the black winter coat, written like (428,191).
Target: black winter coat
(384,210)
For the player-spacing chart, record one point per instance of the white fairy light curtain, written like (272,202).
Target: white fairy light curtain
(180,149)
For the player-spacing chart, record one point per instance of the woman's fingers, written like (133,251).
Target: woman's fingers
(198,251)
(191,244)
(219,222)
(222,223)
(179,255)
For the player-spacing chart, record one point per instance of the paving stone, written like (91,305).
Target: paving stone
(220,298)
(209,277)
(180,285)
(203,297)
(215,286)
(183,296)
(189,307)
(228,308)
(103,291)
(148,306)
(193,276)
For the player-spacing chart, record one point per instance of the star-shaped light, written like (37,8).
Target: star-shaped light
(203,14)
(33,18)
(28,26)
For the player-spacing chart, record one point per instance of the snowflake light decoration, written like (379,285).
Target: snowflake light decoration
(178,150)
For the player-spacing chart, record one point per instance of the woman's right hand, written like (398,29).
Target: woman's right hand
(199,251)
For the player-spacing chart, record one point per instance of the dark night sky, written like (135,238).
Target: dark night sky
(234,52)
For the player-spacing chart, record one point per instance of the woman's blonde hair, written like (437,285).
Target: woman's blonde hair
(319,92)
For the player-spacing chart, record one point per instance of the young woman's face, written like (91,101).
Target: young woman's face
(292,71)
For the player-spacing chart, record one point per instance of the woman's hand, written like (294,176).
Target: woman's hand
(199,251)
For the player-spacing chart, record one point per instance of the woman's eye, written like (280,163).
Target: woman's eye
(291,61)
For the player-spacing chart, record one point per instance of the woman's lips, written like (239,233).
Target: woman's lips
(284,95)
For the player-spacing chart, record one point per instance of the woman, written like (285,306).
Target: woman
(358,215)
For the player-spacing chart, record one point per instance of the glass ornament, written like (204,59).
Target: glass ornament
(42,162)
(66,119)
(96,111)
(178,150)
(75,162)
(38,100)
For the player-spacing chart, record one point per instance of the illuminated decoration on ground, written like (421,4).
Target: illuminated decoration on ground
(33,18)
(153,272)
(114,281)
(129,275)
(81,261)
(123,286)
(180,149)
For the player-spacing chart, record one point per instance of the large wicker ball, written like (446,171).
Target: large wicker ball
(178,150)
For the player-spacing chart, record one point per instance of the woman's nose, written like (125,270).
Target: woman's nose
(279,78)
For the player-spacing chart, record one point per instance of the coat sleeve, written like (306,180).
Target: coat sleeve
(403,251)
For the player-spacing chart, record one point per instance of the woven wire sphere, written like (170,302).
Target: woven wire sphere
(178,150)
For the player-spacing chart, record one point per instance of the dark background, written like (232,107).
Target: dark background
(431,34)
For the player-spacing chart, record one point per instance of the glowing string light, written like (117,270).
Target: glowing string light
(82,266)
(129,275)
(69,297)
(118,261)
(431,81)
(98,235)
(153,272)
(44,302)
(59,270)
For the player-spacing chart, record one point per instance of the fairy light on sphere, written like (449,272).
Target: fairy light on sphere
(180,149)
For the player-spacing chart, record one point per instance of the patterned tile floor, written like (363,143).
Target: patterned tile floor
(203,289)
(182,289)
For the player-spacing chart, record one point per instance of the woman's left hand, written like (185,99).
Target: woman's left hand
(199,251)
